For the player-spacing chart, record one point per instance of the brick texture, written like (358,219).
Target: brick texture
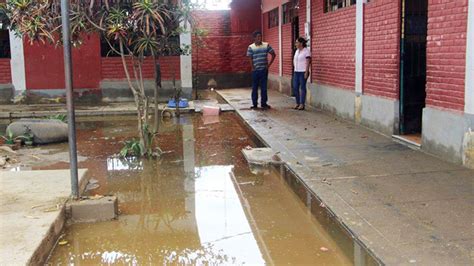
(270,35)
(5,71)
(286,47)
(224,47)
(382,48)
(446,53)
(333,46)
(112,68)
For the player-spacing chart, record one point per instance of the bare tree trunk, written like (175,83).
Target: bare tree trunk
(157,87)
(138,98)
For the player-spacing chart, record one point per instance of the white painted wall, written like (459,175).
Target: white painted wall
(186,60)
(469,87)
(359,63)
(17,63)
(280,52)
(307,32)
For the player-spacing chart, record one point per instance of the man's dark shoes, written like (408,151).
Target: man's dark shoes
(254,107)
(266,107)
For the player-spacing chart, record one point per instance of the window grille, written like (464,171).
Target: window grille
(333,5)
(273,18)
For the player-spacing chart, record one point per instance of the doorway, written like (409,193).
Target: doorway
(413,66)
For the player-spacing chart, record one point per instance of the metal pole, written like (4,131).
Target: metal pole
(69,97)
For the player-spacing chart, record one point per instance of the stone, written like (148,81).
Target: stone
(44,130)
(261,156)
(94,209)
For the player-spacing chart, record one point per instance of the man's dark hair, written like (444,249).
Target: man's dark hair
(257,32)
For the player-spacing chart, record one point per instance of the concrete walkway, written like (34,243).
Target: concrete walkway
(405,206)
(31,214)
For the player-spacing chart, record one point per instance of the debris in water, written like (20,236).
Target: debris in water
(324,249)
(355,192)
(62,242)
(96,197)
(31,217)
(92,186)
(7,149)
(248,147)
(327,139)
(35,157)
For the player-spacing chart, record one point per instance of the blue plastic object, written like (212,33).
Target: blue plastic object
(183,103)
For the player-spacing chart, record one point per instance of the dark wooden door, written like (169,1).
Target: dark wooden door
(413,65)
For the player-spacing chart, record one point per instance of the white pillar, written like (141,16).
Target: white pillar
(17,63)
(359,60)
(469,84)
(280,52)
(307,30)
(186,60)
(307,25)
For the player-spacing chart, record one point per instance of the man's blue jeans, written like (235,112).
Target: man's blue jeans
(299,82)
(259,78)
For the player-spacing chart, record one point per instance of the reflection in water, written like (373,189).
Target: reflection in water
(198,204)
(119,164)
(220,216)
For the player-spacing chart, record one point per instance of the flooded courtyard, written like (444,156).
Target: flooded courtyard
(199,203)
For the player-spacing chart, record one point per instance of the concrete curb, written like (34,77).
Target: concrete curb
(50,239)
(310,193)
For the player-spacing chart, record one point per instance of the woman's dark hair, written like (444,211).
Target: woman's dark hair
(302,40)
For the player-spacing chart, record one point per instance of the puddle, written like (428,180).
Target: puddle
(198,204)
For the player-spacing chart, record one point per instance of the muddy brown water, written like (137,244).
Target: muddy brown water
(198,204)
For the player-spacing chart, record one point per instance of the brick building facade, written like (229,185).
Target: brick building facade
(38,69)
(403,68)
(400,67)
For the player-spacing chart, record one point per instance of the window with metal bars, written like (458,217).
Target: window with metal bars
(333,5)
(273,18)
(289,11)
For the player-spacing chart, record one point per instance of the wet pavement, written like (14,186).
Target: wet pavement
(405,206)
(31,213)
(198,204)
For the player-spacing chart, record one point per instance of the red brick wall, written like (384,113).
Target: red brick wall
(271,36)
(5,71)
(446,53)
(382,48)
(112,68)
(44,65)
(245,16)
(226,42)
(333,46)
(287,51)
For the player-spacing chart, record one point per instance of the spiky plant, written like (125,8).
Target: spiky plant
(134,30)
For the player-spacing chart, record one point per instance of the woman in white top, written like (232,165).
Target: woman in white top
(301,63)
